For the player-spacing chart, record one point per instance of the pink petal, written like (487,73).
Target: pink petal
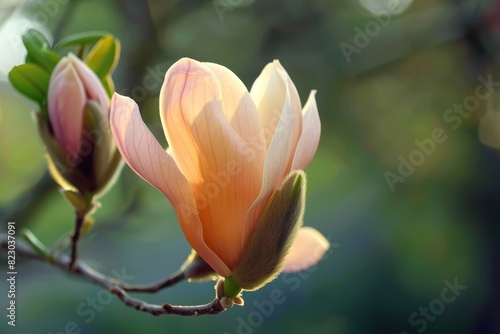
(207,150)
(66,101)
(309,140)
(308,248)
(92,84)
(142,152)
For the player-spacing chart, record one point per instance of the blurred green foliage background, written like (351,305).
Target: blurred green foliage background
(394,248)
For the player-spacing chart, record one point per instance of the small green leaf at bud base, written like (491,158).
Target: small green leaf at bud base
(228,293)
(103,57)
(30,80)
(231,288)
(38,52)
(75,199)
(84,38)
(88,223)
(35,243)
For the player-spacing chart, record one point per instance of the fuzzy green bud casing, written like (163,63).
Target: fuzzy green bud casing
(263,257)
(98,163)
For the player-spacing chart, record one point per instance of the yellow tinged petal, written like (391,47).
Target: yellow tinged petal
(207,150)
(142,152)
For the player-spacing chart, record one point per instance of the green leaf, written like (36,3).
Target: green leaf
(88,37)
(103,57)
(109,85)
(38,52)
(34,242)
(31,80)
(37,38)
(54,57)
(29,59)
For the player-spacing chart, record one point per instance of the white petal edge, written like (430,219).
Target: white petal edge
(311,132)
(307,249)
(142,152)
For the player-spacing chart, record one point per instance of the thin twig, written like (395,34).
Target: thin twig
(171,280)
(74,240)
(84,271)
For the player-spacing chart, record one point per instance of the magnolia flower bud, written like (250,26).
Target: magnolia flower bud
(82,153)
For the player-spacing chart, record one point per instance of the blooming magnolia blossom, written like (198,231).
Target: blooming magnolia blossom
(229,152)
(72,86)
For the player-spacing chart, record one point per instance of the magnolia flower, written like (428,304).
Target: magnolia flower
(232,170)
(82,154)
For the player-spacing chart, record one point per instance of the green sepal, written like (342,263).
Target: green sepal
(36,38)
(30,80)
(65,172)
(75,199)
(104,56)
(231,288)
(84,38)
(106,158)
(38,51)
(264,254)
(109,85)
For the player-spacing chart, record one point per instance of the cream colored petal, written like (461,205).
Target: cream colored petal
(279,156)
(308,249)
(142,152)
(269,91)
(242,114)
(66,100)
(297,116)
(207,151)
(309,139)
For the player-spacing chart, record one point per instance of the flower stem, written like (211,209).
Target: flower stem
(80,218)
(171,280)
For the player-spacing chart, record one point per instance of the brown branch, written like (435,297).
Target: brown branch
(171,280)
(74,240)
(115,287)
